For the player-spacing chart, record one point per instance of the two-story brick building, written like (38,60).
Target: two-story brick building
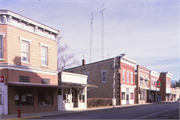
(101,74)
(143,84)
(165,89)
(28,64)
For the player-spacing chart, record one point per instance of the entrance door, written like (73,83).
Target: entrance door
(76,92)
(1,103)
(127,95)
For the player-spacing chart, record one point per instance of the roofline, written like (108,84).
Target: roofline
(23,18)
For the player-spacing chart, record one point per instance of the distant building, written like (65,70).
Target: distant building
(101,74)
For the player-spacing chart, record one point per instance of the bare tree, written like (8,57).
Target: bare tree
(64,60)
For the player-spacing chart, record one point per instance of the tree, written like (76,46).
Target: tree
(64,60)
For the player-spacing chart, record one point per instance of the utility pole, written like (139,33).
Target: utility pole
(102,20)
(91,37)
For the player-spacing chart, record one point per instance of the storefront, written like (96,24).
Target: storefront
(75,96)
(32,97)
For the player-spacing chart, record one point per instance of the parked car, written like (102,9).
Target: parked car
(178,99)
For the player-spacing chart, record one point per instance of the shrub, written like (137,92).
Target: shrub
(95,102)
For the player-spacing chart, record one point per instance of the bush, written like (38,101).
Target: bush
(95,102)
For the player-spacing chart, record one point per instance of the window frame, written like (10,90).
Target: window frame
(103,71)
(127,77)
(29,42)
(131,77)
(46,57)
(123,76)
(2,36)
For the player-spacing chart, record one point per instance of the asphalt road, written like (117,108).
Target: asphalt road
(153,111)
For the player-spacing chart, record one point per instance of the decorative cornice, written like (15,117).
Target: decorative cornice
(154,73)
(128,61)
(128,86)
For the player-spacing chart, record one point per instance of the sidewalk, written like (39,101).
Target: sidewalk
(43,114)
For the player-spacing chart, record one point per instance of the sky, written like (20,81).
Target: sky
(147,31)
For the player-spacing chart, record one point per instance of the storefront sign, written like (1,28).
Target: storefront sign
(2,79)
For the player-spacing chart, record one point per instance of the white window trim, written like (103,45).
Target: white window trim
(4,35)
(87,77)
(47,57)
(127,76)
(44,45)
(29,41)
(24,39)
(102,75)
(44,65)
(124,71)
(131,77)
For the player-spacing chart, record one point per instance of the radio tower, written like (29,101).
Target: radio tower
(102,30)
(91,36)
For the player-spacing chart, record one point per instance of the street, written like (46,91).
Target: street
(168,110)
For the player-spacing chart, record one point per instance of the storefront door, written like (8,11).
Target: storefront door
(1,104)
(76,92)
(127,95)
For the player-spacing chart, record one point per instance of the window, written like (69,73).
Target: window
(45,81)
(123,75)
(24,79)
(87,73)
(25,51)
(145,82)
(103,76)
(132,97)
(131,77)
(45,97)
(123,95)
(23,96)
(1,47)
(81,95)
(127,76)
(44,55)
(141,81)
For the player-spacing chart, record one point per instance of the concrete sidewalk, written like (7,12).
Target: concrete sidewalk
(43,114)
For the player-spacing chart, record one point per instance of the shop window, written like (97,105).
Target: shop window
(24,79)
(123,95)
(45,97)
(66,95)
(45,81)
(23,96)
(132,97)
(81,95)
(127,97)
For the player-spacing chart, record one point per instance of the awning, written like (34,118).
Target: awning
(35,84)
(80,85)
(146,78)
(141,77)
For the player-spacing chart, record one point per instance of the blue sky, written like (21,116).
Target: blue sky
(147,31)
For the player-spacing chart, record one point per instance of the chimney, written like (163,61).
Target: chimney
(83,61)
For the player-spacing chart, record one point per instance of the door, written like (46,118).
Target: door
(127,95)
(1,103)
(76,92)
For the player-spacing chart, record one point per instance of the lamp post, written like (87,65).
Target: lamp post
(114,76)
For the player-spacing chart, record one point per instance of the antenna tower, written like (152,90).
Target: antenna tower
(102,20)
(91,36)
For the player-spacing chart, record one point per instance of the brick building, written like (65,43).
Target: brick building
(165,89)
(142,84)
(28,64)
(101,74)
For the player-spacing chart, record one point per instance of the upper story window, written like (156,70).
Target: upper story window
(103,76)
(24,79)
(127,76)
(145,82)
(123,77)
(2,35)
(87,73)
(25,51)
(44,55)
(141,81)
(45,81)
(131,77)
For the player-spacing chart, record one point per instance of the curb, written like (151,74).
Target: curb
(22,118)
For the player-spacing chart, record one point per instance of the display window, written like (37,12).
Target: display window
(45,97)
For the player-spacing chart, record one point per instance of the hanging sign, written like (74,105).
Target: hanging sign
(2,79)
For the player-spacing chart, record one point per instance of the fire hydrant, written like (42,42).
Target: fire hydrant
(19,112)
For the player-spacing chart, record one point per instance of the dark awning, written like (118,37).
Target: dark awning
(35,84)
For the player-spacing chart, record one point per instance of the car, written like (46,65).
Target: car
(178,99)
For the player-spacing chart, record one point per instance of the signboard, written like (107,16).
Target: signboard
(2,78)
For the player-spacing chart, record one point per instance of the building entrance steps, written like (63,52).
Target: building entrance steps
(53,113)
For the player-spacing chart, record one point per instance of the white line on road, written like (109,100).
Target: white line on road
(156,113)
